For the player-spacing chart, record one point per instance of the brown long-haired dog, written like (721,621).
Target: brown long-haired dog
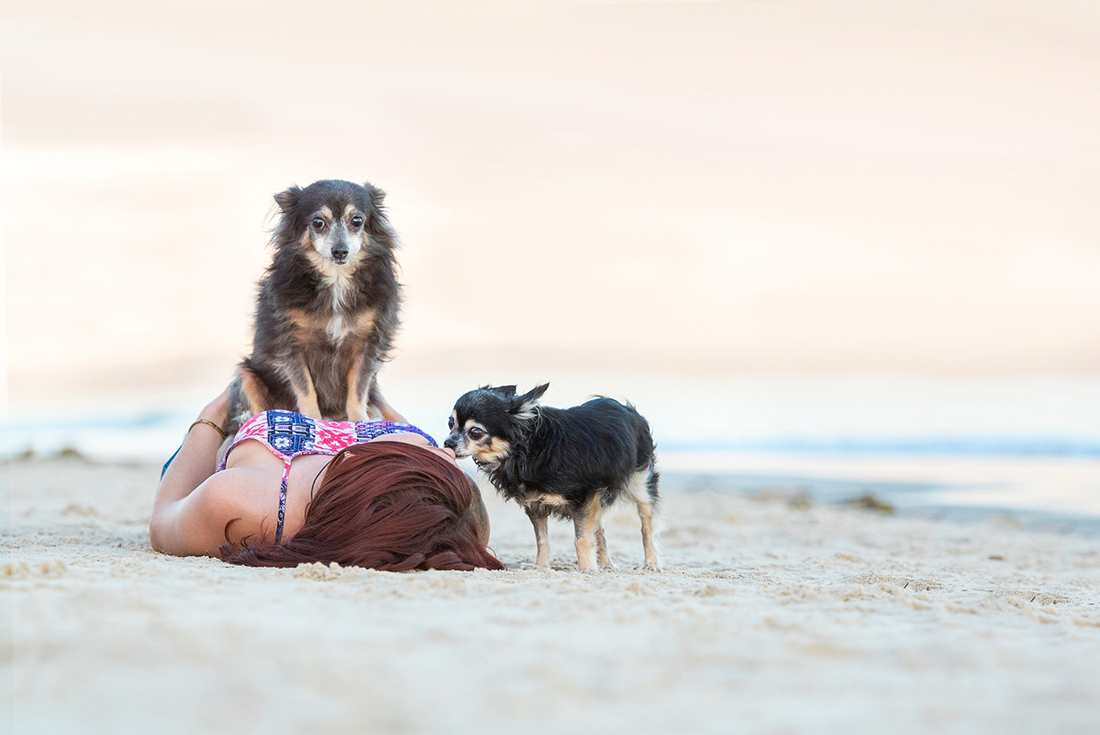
(327,308)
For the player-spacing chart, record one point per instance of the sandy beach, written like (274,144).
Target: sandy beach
(770,616)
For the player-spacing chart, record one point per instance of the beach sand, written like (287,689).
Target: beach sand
(770,616)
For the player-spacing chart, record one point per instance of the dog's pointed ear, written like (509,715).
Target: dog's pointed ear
(287,199)
(508,391)
(523,407)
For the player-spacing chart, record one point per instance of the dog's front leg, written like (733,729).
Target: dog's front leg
(542,536)
(302,385)
(356,390)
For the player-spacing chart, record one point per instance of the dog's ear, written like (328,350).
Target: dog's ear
(287,199)
(508,391)
(376,195)
(523,407)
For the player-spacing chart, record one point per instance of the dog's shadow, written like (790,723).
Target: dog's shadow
(562,565)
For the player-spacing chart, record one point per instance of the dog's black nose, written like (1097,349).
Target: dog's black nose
(340,253)
(450,444)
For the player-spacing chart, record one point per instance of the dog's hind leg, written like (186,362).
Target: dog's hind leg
(602,557)
(388,412)
(223,449)
(250,395)
(378,407)
(652,564)
(585,523)
(542,536)
(642,489)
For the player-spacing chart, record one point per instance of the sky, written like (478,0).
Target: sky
(836,187)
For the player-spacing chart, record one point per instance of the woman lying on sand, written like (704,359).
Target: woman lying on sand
(291,489)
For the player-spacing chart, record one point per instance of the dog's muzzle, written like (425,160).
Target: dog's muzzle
(452,444)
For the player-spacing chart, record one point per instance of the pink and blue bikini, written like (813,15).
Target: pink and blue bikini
(288,435)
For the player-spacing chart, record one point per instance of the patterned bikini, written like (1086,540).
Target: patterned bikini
(289,435)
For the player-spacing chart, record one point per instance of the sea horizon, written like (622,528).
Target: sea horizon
(1009,445)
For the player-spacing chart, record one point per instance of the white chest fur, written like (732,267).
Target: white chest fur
(337,278)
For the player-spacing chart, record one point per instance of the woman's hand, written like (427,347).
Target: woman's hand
(217,410)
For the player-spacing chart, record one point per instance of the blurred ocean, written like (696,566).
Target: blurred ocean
(1024,447)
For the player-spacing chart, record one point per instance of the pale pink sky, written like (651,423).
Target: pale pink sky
(728,186)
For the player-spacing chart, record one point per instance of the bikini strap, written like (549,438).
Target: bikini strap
(282,501)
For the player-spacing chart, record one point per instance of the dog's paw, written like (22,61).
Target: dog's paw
(651,567)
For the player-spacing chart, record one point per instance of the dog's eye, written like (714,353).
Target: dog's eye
(318,223)
(451,422)
(356,221)
(475,433)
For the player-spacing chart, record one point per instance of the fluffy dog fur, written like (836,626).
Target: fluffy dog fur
(327,309)
(572,463)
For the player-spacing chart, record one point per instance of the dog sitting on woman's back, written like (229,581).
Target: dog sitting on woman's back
(572,463)
(327,308)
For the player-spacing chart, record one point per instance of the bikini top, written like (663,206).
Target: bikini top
(288,435)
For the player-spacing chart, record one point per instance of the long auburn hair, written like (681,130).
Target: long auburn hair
(384,505)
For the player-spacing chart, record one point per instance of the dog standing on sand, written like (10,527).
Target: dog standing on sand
(572,463)
(327,309)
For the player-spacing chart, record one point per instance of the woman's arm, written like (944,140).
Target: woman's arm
(190,469)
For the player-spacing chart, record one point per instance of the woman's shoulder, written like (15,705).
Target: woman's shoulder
(238,484)
(228,505)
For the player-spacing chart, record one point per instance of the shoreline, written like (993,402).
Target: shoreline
(938,495)
(896,499)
